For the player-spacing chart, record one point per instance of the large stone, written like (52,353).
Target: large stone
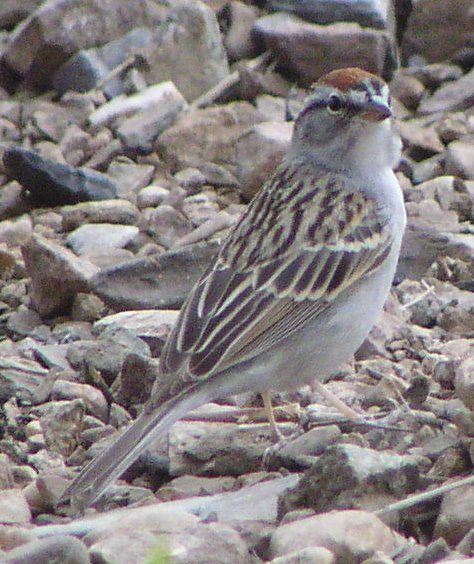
(64,549)
(308,51)
(207,135)
(58,28)
(57,275)
(158,281)
(352,536)
(437,29)
(190,34)
(453,96)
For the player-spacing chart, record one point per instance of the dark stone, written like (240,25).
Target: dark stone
(55,184)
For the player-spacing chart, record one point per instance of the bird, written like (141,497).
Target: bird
(297,283)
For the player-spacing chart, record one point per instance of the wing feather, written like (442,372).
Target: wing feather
(279,269)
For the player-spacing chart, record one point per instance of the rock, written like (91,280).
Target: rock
(200,208)
(47,264)
(456,516)
(437,29)
(346,474)
(6,473)
(212,449)
(137,377)
(62,424)
(460,158)
(130,177)
(95,237)
(259,151)
(88,67)
(92,398)
(182,537)
(53,32)
(153,325)
(13,507)
(163,94)
(106,354)
(463,382)
(44,492)
(54,184)
(407,89)
(237,19)
(422,142)
(352,536)
(208,135)
(158,281)
(433,75)
(167,225)
(12,13)
(453,96)
(64,549)
(301,452)
(309,555)
(367,13)
(16,232)
(151,196)
(308,51)
(20,378)
(109,211)
(190,34)
(88,307)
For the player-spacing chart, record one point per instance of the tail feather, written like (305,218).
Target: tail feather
(119,455)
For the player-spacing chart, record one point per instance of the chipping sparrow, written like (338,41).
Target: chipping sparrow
(300,280)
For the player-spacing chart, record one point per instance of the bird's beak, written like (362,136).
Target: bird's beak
(375,110)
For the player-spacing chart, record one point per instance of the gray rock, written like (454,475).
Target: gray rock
(159,281)
(309,555)
(62,424)
(15,232)
(167,225)
(308,50)
(109,211)
(6,473)
(153,325)
(460,159)
(190,34)
(11,12)
(53,183)
(237,19)
(92,237)
(151,196)
(87,67)
(48,264)
(92,398)
(451,97)
(14,507)
(20,378)
(345,474)
(456,516)
(367,13)
(130,177)
(64,549)
(53,32)
(352,536)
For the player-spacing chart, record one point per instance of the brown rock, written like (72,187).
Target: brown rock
(437,29)
(456,517)
(308,50)
(56,275)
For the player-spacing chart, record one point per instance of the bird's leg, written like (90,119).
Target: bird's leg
(337,403)
(267,405)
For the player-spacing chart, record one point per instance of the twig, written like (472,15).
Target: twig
(428,290)
(425,496)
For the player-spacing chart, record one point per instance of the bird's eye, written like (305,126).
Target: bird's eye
(334,104)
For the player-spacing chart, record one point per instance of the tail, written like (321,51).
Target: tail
(118,456)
